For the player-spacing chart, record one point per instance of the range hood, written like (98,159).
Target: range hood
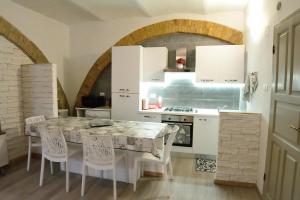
(180,61)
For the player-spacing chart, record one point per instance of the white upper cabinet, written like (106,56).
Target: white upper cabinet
(155,60)
(220,64)
(126,68)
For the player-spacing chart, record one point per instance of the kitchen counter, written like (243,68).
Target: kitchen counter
(196,112)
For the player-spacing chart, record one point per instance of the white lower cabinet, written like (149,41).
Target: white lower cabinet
(150,117)
(125,107)
(205,135)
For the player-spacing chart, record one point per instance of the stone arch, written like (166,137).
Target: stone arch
(32,51)
(200,27)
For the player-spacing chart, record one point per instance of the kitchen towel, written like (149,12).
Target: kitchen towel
(250,85)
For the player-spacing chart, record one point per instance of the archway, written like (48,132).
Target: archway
(32,51)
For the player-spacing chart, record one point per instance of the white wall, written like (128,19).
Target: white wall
(89,40)
(261,16)
(50,36)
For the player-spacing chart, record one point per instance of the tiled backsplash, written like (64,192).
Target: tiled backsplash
(184,92)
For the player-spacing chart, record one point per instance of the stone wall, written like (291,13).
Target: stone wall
(237,159)
(39,88)
(11,115)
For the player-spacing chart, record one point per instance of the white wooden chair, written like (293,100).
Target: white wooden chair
(164,160)
(30,133)
(99,154)
(55,149)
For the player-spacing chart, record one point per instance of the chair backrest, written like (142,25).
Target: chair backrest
(35,119)
(98,150)
(167,149)
(54,145)
(32,120)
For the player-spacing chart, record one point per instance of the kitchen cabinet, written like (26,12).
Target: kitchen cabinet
(205,135)
(146,117)
(155,60)
(125,107)
(126,68)
(220,64)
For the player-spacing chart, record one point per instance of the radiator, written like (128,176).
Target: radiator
(3,150)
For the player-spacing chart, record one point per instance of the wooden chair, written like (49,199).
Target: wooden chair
(164,160)
(30,133)
(55,149)
(99,154)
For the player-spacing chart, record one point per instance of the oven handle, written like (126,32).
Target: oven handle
(182,123)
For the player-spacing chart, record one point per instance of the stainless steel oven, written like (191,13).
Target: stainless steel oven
(184,136)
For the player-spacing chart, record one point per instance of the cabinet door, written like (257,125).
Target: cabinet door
(146,117)
(206,64)
(231,68)
(205,135)
(125,106)
(126,64)
(220,64)
(155,60)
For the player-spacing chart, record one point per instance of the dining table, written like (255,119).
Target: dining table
(133,137)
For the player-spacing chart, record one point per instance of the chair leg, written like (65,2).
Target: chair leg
(67,176)
(135,172)
(51,167)
(115,183)
(167,180)
(83,180)
(142,169)
(170,169)
(29,153)
(42,170)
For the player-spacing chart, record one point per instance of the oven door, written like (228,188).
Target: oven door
(184,136)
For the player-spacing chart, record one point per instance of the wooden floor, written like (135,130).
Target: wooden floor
(188,184)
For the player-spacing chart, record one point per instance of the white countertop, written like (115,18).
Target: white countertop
(196,112)
(97,108)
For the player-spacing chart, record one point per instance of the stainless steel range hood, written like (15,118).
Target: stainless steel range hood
(180,62)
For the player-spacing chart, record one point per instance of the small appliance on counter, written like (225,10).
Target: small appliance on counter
(93,101)
(3,151)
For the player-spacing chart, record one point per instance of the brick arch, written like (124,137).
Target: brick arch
(199,27)
(32,51)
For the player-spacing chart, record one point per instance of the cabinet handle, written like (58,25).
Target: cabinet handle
(121,89)
(121,95)
(294,127)
(127,96)
(127,90)
(155,79)
(147,116)
(205,120)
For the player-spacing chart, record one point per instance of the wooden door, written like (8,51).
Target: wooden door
(283,158)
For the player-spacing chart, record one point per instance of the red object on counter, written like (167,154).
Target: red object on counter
(180,61)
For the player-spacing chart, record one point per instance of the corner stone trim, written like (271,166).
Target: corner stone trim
(199,27)
(32,51)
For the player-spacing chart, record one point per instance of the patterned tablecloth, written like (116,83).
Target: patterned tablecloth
(129,135)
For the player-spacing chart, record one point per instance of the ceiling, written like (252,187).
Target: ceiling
(77,11)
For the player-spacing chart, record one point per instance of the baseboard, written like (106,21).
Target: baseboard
(153,174)
(235,183)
